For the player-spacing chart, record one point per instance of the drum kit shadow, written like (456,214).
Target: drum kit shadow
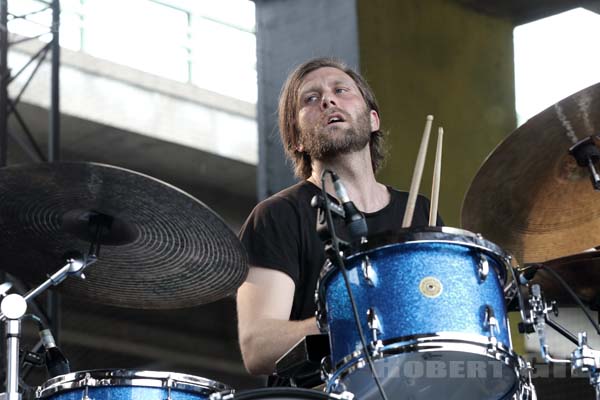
(428,316)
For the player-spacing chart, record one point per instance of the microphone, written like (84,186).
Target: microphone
(56,362)
(527,274)
(355,220)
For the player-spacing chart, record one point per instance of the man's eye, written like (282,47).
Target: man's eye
(311,99)
(341,90)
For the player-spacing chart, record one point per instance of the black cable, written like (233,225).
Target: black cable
(573,295)
(340,263)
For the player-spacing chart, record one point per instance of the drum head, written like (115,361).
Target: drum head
(446,375)
(113,378)
(282,393)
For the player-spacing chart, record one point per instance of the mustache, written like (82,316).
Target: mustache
(329,113)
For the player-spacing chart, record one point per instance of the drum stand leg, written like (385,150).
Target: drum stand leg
(13,332)
(14,306)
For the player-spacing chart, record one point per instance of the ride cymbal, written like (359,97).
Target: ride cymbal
(161,248)
(530,196)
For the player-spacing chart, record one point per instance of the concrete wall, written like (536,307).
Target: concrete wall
(438,57)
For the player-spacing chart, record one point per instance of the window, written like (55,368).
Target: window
(554,58)
(210,44)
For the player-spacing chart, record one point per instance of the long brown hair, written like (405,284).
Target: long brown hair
(288,115)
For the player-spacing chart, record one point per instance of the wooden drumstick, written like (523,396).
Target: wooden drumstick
(417,173)
(437,172)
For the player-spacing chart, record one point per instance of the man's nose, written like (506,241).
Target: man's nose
(327,101)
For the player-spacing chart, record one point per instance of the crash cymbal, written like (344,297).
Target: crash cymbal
(530,196)
(161,248)
(580,271)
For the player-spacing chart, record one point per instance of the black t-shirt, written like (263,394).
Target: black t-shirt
(280,234)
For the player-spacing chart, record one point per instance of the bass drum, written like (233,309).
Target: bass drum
(128,385)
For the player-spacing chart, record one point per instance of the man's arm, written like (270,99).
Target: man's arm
(264,303)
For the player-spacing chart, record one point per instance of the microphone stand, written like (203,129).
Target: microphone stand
(14,306)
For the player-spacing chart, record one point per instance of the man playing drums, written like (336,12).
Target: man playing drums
(328,119)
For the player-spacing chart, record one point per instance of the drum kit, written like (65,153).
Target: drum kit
(416,314)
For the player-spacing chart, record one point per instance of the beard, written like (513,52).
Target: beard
(325,142)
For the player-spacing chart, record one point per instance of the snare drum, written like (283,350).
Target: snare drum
(433,312)
(128,385)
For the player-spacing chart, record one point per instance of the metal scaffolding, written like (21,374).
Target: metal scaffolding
(9,106)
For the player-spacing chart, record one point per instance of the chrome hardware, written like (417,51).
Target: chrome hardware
(321,317)
(326,369)
(345,395)
(336,387)
(490,321)
(537,317)
(374,323)
(222,395)
(169,384)
(87,380)
(483,267)
(4,288)
(586,359)
(368,271)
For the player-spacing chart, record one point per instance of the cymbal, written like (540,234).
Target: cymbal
(530,197)
(161,248)
(580,271)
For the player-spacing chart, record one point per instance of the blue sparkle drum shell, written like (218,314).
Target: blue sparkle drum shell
(432,308)
(121,384)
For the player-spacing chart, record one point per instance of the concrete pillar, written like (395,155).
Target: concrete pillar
(438,57)
(289,32)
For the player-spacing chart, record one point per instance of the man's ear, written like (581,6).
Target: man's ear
(374,120)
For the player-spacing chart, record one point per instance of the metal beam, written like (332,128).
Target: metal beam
(4,77)
(521,12)
(54,120)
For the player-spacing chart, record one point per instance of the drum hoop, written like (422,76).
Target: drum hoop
(278,391)
(124,377)
(443,234)
(446,341)
(432,234)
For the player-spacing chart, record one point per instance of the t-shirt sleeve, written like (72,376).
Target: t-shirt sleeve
(271,236)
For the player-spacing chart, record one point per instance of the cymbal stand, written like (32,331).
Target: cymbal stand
(583,358)
(14,306)
(586,359)
(587,153)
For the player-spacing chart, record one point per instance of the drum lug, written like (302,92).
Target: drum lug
(345,395)
(484,267)
(87,380)
(376,329)
(368,271)
(169,384)
(336,388)
(321,318)
(490,321)
(222,395)
(326,370)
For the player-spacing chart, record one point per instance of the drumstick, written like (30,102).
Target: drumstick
(417,173)
(435,187)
